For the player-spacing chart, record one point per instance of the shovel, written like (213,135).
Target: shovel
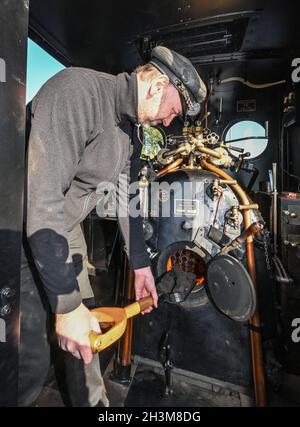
(114,318)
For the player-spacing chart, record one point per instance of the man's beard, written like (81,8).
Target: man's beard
(149,122)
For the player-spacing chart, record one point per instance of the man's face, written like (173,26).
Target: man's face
(162,108)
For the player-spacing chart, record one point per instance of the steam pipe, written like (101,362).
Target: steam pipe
(254,323)
(206,114)
(122,366)
(127,339)
(170,167)
(246,138)
(181,149)
(274,207)
(252,85)
(210,152)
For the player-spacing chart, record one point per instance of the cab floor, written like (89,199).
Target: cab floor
(147,389)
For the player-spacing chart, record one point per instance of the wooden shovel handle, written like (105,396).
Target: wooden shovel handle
(99,341)
(145,303)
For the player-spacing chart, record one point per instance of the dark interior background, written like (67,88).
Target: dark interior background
(254,40)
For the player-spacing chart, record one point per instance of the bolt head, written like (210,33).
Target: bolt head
(5,310)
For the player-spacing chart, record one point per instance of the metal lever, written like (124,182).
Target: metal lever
(291,244)
(231,147)
(289,214)
(165,360)
(240,160)
(237,149)
(250,231)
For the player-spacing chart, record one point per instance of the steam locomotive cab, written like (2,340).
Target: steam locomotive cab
(218,193)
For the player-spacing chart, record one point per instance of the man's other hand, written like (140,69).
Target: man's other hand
(73,330)
(145,286)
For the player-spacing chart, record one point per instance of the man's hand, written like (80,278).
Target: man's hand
(145,286)
(73,330)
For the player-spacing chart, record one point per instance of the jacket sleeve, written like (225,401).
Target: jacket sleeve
(130,224)
(61,122)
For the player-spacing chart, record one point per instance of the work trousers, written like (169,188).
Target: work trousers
(85,386)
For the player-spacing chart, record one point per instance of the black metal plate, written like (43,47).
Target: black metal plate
(231,288)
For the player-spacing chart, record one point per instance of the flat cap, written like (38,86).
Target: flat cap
(182,75)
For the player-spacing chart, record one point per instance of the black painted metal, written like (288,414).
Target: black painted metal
(105,35)
(289,243)
(202,341)
(171,229)
(13,48)
(231,288)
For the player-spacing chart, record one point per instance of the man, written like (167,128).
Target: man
(83,133)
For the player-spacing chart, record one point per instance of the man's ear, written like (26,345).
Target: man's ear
(158,84)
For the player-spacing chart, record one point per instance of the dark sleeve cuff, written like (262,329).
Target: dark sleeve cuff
(50,252)
(137,261)
(64,303)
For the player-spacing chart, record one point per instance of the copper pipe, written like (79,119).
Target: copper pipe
(181,149)
(170,167)
(228,181)
(250,231)
(210,152)
(252,206)
(127,337)
(254,323)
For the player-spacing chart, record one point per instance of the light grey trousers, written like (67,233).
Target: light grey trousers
(84,382)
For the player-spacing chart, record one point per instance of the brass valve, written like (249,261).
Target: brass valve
(143,182)
(198,129)
(216,188)
(187,129)
(234,217)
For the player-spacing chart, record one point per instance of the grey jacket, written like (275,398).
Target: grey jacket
(82,134)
